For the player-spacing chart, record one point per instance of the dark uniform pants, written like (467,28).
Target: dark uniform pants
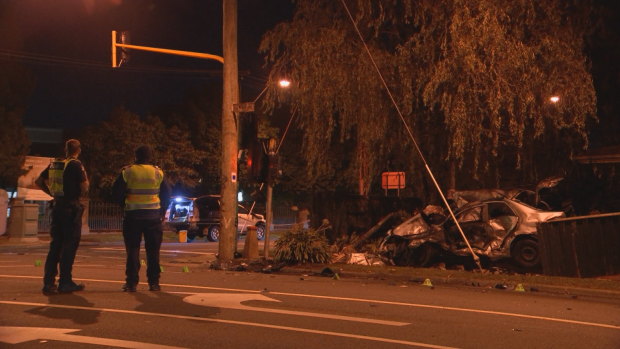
(66,232)
(133,228)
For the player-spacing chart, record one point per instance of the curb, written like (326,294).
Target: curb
(473,282)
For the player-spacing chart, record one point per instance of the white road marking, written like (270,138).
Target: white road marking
(17,335)
(233,322)
(233,301)
(413,305)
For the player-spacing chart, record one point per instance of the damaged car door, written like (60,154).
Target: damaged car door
(487,226)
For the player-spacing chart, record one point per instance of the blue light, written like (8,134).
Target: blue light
(178,199)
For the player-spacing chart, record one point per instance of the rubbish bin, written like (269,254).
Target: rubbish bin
(24,221)
(4,207)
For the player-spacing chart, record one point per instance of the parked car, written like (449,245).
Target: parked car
(496,228)
(200,216)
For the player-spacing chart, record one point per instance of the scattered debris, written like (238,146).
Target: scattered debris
(327,272)
(501,286)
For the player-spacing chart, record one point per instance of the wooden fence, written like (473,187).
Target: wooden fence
(584,246)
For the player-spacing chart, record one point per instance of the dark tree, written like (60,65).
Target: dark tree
(472,78)
(16,84)
(110,145)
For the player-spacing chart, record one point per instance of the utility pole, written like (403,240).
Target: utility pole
(228,205)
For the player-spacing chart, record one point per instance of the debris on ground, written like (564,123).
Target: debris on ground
(364,259)
(327,272)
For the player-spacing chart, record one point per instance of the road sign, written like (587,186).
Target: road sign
(393,180)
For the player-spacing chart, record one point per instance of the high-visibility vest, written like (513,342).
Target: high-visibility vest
(56,175)
(143,183)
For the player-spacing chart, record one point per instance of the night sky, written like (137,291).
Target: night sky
(67,45)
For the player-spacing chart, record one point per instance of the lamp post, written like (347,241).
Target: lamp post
(271,156)
(272,149)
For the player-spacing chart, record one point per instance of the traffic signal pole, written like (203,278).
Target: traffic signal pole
(116,44)
(230,146)
(228,225)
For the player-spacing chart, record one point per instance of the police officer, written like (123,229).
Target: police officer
(66,181)
(143,192)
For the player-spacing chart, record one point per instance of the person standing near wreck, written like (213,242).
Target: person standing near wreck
(66,181)
(144,194)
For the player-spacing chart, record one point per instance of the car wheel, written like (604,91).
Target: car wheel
(526,253)
(214,233)
(260,232)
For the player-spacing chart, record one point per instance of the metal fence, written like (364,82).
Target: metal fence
(104,216)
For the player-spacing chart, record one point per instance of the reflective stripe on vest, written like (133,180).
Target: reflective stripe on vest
(143,183)
(55,177)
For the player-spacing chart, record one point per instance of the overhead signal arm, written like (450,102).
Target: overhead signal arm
(125,46)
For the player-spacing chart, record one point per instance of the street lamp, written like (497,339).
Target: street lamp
(554,99)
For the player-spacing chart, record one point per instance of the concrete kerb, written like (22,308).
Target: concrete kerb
(415,276)
(470,282)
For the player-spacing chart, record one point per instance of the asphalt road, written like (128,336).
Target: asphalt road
(204,308)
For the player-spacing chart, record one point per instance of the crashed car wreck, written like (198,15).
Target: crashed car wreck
(495,228)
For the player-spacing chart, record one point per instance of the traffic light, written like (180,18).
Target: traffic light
(123,39)
(124,51)
(274,168)
(257,161)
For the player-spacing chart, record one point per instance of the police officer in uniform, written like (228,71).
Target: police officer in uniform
(66,181)
(143,192)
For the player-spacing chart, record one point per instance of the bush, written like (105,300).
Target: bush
(301,246)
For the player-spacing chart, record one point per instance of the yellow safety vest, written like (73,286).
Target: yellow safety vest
(55,176)
(143,183)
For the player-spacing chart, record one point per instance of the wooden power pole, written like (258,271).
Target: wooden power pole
(228,224)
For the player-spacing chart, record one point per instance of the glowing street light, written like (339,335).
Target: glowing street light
(284,83)
(554,99)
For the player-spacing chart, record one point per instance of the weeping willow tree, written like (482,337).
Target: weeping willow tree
(472,78)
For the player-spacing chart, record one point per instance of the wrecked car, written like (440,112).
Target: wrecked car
(495,228)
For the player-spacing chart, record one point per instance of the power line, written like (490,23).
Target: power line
(56,61)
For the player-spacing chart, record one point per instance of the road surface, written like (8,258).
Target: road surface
(203,308)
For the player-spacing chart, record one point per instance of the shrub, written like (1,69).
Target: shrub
(301,246)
